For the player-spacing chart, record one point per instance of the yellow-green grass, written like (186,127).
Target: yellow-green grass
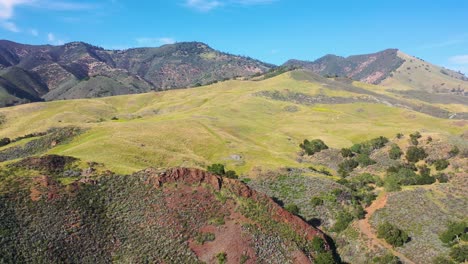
(200,126)
(413,73)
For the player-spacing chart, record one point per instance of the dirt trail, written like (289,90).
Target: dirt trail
(367,230)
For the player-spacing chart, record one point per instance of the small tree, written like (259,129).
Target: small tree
(455,231)
(395,152)
(441,164)
(217,169)
(415,154)
(346,153)
(392,234)
(292,208)
(318,245)
(314,146)
(231,174)
(346,167)
(414,138)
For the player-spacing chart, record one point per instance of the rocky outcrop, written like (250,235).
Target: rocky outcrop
(193,176)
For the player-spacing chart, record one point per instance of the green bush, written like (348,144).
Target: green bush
(414,138)
(399,135)
(392,234)
(231,174)
(364,160)
(4,142)
(441,164)
(459,253)
(387,259)
(346,153)
(221,257)
(391,183)
(342,221)
(217,169)
(415,154)
(314,146)
(292,208)
(395,152)
(318,245)
(324,258)
(455,231)
(201,238)
(441,177)
(347,167)
(316,201)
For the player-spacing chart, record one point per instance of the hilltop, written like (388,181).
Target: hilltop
(79,70)
(392,68)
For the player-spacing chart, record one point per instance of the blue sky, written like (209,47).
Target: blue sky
(270,30)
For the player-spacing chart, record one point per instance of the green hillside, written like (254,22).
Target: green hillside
(239,123)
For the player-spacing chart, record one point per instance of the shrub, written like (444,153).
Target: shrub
(454,151)
(387,259)
(231,174)
(364,160)
(441,164)
(217,169)
(292,208)
(201,238)
(459,253)
(415,154)
(114,118)
(4,142)
(318,245)
(324,258)
(316,201)
(391,183)
(455,231)
(441,177)
(346,167)
(221,257)
(342,221)
(356,148)
(395,152)
(346,153)
(392,234)
(314,146)
(414,138)
(399,135)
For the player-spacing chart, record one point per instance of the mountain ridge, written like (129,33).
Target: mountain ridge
(81,70)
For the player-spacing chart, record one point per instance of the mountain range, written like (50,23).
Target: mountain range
(31,73)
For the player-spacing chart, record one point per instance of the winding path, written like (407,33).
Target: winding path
(367,230)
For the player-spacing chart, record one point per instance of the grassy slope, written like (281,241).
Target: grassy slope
(200,126)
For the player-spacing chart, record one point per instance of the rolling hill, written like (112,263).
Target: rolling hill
(391,68)
(79,70)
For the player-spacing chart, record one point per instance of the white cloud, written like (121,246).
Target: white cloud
(459,59)
(53,39)
(151,42)
(203,5)
(7,7)
(208,5)
(10,26)
(34,32)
